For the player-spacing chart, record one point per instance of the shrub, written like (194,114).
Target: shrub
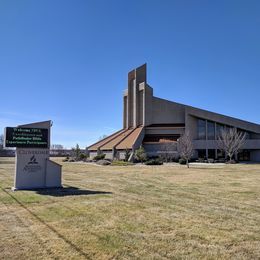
(121,163)
(154,162)
(76,152)
(140,154)
(182,161)
(99,157)
(82,156)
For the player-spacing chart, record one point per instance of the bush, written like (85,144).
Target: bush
(71,160)
(140,155)
(99,157)
(121,163)
(82,156)
(154,162)
(182,161)
(65,160)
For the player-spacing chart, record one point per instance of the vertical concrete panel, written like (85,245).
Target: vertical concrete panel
(148,108)
(191,125)
(135,103)
(125,112)
(141,108)
(53,174)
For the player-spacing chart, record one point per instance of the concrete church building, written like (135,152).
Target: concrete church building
(153,122)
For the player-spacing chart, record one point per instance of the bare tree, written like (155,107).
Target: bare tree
(230,141)
(185,147)
(169,151)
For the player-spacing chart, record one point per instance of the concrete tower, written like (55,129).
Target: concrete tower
(137,98)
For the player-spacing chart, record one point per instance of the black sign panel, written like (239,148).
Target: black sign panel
(26,137)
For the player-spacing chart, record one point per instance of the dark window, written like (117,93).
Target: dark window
(211,130)
(219,129)
(244,155)
(220,154)
(201,129)
(202,154)
(211,154)
(247,135)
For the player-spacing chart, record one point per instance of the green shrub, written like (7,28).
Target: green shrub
(140,154)
(82,156)
(154,162)
(121,163)
(182,161)
(99,157)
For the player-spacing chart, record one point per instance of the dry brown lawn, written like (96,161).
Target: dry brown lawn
(117,212)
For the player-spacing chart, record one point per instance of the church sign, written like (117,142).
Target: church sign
(33,168)
(26,137)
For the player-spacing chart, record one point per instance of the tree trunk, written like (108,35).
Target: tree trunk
(187,163)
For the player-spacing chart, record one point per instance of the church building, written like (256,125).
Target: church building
(157,123)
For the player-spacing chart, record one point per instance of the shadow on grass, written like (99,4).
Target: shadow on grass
(73,245)
(69,191)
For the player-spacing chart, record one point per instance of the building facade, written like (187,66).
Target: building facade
(157,123)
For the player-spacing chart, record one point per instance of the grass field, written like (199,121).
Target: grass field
(117,212)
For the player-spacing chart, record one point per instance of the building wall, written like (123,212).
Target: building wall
(222,119)
(165,131)
(109,154)
(166,112)
(255,155)
(159,149)
(92,154)
(148,107)
(191,125)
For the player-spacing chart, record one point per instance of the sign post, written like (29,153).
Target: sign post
(33,168)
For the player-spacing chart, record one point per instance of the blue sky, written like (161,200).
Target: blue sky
(68,60)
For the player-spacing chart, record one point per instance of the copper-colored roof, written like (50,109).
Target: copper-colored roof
(110,145)
(129,141)
(98,144)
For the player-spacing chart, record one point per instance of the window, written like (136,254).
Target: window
(219,129)
(244,155)
(211,130)
(247,135)
(211,153)
(220,154)
(202,154)
(201,129)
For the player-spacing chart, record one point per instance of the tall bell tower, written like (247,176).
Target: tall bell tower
(137,98)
